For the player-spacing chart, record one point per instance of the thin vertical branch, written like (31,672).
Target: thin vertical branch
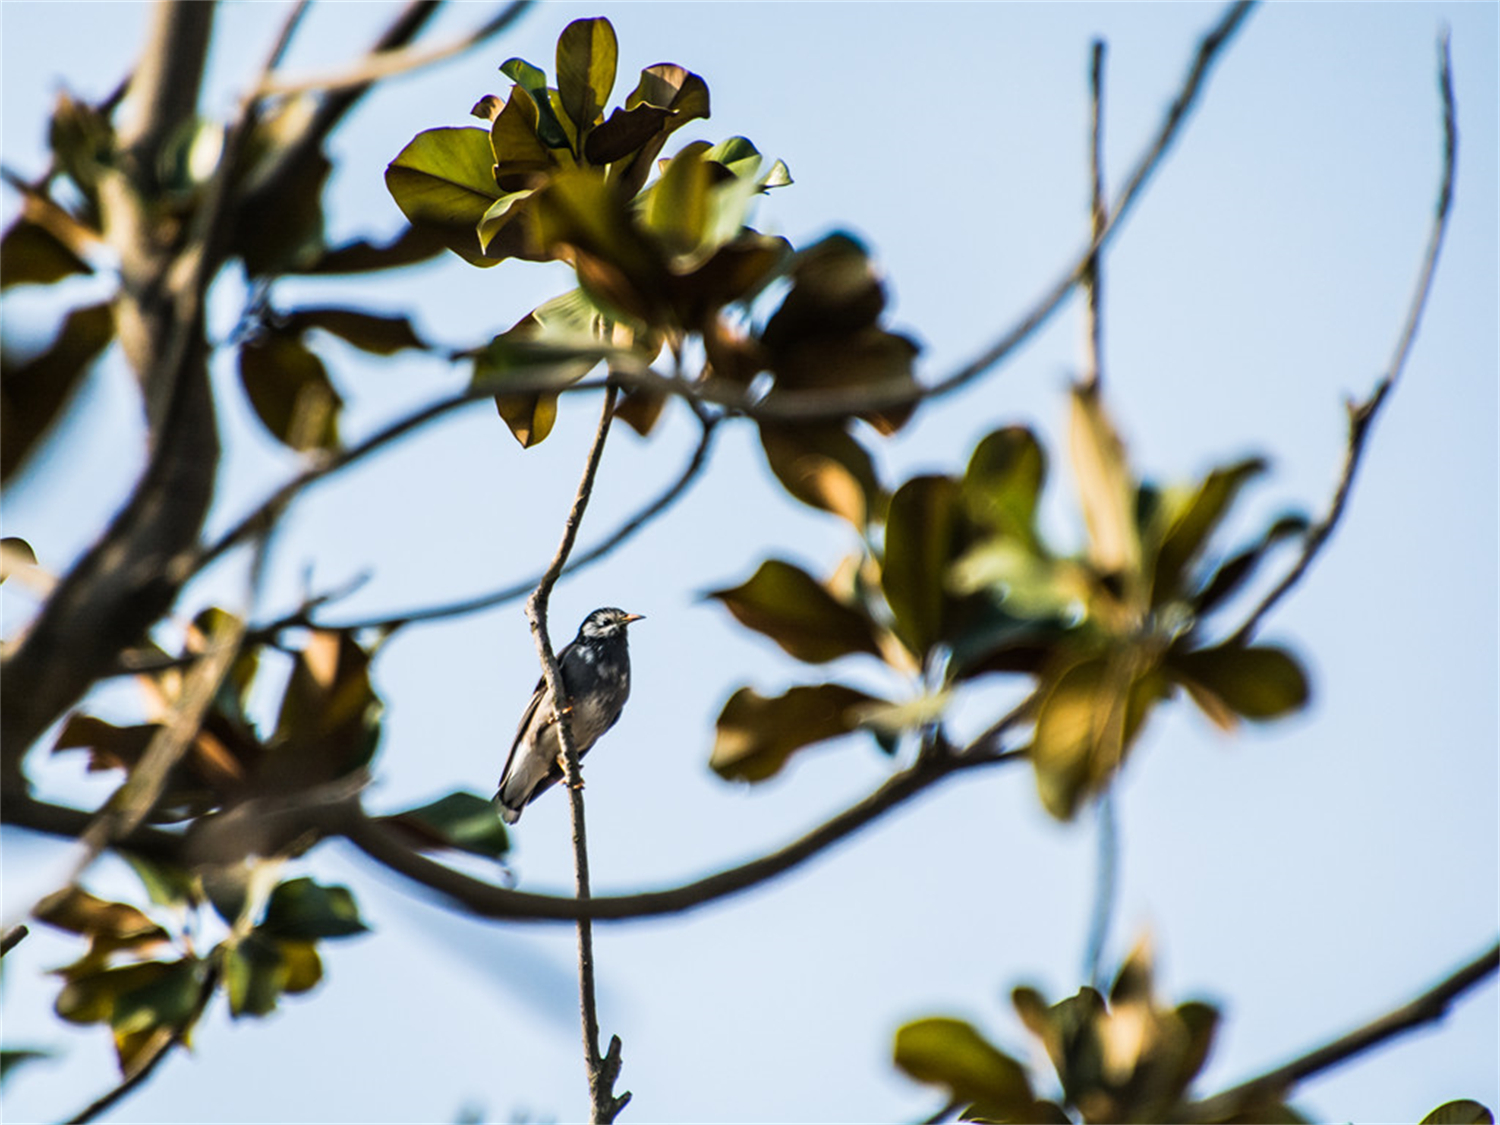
(1362,414)
(1106,882)
(1093,281)
(602,1069)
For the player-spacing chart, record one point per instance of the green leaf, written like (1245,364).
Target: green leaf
(756,735)
(302,909)
(835,292)
(924,534)
(33,391)
(254,975)
(533,80)
(412,245)
(951,1053)
(618,268)
(1105,487)
(519,154)
(167,1000)
(1461,1112)
(787,604)
(92,997)
(1190,531)
(77,911)
(824,466)
(30,254)
(586,57)
(1256,683)
(290,391)
(444,180)
(1003,483)
(500,222)
(464,821)
(165,883)
(379,335)
(677,207)
(624,133)
(665,86)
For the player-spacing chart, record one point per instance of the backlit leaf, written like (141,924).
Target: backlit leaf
(32,255)
(788,605)
(823,465)
(444,180)
(464,821)
(756,735)
(1185,539)
(923,536)
(1003,482)
(302,909)
(586,56)
(951,1053)
(379,335)
(289,388)
(1256,683)
(1105,487)
(1461,1112)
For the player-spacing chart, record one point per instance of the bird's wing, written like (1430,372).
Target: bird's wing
(530,712)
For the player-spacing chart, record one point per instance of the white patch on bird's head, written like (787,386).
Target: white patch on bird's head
(605,623)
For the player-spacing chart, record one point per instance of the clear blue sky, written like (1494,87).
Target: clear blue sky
(1306,877)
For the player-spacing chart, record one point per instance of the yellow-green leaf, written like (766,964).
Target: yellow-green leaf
(951,1053)
(1105,487)
(1461,1112)
(924,535)
(823,465)
(1255,683)
(289,388)
(444,179)
(586,56)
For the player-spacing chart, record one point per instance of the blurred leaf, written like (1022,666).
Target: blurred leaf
(33,391)
(110,747)
(1105,487)
(464,821)
(924,534)
(756,735)
(289,388)
(301,909)
(677,206)
(412,245)
(165,883)
(166,1000)
(329,721)
(281,232)
(380,335)
(93,997)
(1190,531)
(868,359)
(11,1058)
(586,57)
(1003,483)
(1461,1112)
(826,467)
(618,268)
(30,254)
(1236,571)
(254,975)
(304,968)
(1255,683)
(835,292)
(15,555)
(82,142)
(951,1053)
(444,180)
(625,132)
(787,604)
(77,911)
(640,409)
(1085,725)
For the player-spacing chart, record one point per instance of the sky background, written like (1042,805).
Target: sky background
(1306,877)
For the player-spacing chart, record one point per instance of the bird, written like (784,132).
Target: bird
(595,668)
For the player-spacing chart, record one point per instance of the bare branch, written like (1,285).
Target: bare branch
(13,937)
(1093,279)
(1427,1008)
(1362,414)
(606,1107)
(387,63)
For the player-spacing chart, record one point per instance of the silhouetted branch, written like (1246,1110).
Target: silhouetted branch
(1427,1008)
(1362,415)
(13,937)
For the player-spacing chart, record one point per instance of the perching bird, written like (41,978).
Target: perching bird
(595,668)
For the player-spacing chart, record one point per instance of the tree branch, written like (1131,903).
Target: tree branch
(1429,1007)
(1362,415)
(605,1106)
(13,937)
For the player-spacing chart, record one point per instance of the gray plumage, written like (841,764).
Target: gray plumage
(595,668)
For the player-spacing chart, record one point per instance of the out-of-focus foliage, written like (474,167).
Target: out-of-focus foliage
(956,581)
(1120,1057)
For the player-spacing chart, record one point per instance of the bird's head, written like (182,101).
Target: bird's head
(607,622)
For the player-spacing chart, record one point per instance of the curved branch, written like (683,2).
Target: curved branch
(1362,415)
(1429,1007)
(486,900)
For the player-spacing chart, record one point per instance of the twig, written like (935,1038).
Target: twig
(389,63)
(13,937)
(1093,280)
(1429,1007)
(1105,885)
(156,1058)
(1362,415)
(606,1107)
